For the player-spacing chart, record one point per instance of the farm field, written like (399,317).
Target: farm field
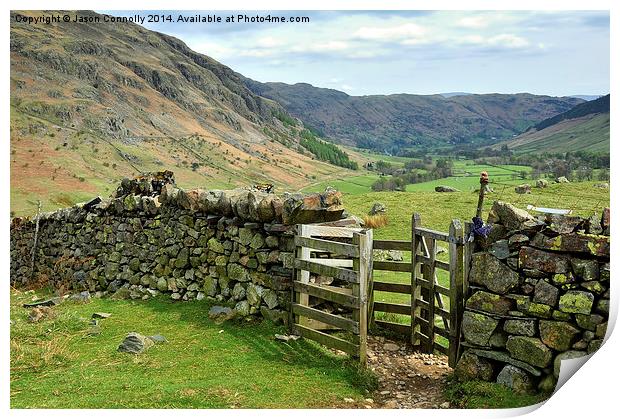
(56,364)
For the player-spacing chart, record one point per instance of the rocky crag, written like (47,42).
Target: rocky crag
(539,293)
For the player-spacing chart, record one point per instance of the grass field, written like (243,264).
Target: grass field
(55,364)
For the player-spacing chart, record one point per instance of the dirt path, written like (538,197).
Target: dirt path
(407,379)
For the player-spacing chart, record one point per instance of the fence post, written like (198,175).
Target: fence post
(415,243)
(457,273)
(301,275)
(361,266)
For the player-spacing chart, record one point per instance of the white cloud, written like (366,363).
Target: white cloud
(269,42)
(394,33)
(473,22)
(502,40)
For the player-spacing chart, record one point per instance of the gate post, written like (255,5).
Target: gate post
(362,266)
(415,244)
(457,276)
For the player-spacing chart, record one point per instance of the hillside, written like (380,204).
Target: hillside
(93,103)
(584,127)
(395,121)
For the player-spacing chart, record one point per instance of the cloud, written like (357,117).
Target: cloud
(473,22)
(394,33)
(504,40)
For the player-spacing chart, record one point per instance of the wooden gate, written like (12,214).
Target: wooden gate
(333,265)
(434,310)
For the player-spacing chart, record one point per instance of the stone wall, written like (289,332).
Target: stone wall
(539,293)
(152,237)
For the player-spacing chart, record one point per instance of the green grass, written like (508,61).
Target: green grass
(203,365)
(483,395)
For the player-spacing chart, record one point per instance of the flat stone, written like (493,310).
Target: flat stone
(101,315)
(589,321)
(591,244)
(576,302)
(516,379)
(558,335)
(545,293)
(487,270)
(391,347)
(530,258)
(525,327)
(529,350)
(158,338)
(220,314)
(586,269)
(478,328)
(506,358)
(508,215)
(500,249)
(490,303)
(472,367)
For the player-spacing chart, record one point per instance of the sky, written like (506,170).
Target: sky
(427,52)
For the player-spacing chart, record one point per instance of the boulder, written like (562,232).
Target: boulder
(487,270)
(312,208)
(473,367)
(445,189)
(500,249)
(523,189)
(511,217)
(595,245)
(377,208)
(242,308)
(562,224)
(478,328)
(516,379)
(530,350)
(586,269)
(558,335)
(562,179)
(254,294)
(542,183)
(220,314)
(135,343)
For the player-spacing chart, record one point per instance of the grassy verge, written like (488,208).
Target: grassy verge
(55,364)
(483,395)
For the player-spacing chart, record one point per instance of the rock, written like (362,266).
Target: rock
(603,185)
(275,316)
(478,328)
(82,297)
(210,286)
(491,303)
(530,350)
(517,240)
(254,294)
(500,249)
(542,183)
(242,308)
(387,255)
(563,224)
(237,272)
(574,243)
(503,357)
(562,179)
(487,270)
(158,339)
(94,330)
(594,286)
(511,217)
(40,313)
(445,189)
(101,315)
(270,298)
(547,384)
(576,302)
(312,208)
(220,314)
(123,293)
(238,292)
(473,367)
(286,338)
(545,293)
(516,379)
(530,258)
(523,189)
(135,343)
(558,335)
(565,355)
(391,347)
(377,208)
(594,345)
(162,285)
(48,302)
(586,269)
(526,327)
(605,221)
(589,321)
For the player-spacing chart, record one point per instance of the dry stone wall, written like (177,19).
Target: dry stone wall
(152,237)
(538,294)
